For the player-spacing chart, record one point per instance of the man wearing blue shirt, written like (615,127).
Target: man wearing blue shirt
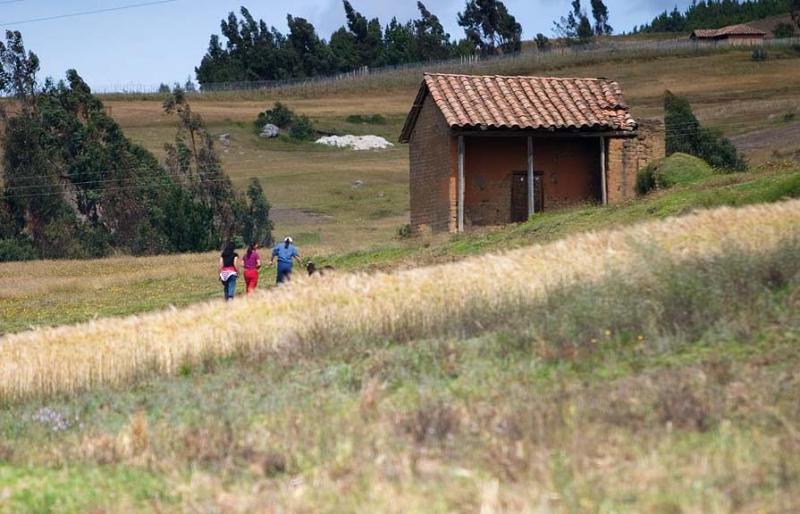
(285,253)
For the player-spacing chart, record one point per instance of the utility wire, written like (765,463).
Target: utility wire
(81,13)
(674,130)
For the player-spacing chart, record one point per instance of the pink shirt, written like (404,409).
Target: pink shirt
(252,261)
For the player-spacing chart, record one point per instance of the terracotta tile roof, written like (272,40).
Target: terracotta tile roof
(732,30)
(538,103)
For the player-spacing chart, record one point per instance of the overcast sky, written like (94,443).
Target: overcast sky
(164,42)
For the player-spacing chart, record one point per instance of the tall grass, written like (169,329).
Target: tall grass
(454,299)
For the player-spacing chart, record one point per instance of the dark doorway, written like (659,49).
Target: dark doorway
(519,195)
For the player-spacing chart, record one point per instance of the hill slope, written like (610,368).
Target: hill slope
(727,89)
(644,370)
(57,292)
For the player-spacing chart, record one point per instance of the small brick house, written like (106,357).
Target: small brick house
(734,35)
(490,150)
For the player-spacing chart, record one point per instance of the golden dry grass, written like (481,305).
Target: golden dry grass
(451,298)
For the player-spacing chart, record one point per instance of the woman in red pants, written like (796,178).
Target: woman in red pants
(252,263)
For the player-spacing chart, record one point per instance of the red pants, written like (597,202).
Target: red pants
(251,280)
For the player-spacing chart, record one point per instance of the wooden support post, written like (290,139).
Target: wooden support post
(460,184)
(531,196)
(603,178)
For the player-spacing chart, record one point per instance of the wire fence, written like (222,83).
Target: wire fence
(528,59)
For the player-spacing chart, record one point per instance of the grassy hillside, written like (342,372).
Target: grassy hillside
(312,188)
(647,370)
(636,358)
(57,292)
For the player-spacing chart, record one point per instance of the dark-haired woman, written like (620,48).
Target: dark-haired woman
(252,263)
(229,270)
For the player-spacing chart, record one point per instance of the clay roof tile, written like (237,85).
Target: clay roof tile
(538,103)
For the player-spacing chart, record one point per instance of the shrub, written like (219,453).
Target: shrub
(405,231)
(302,128)
(678,168)
(783,30)
(542,42)
(646,179)
(96,240)
(759,54)
(370,119)
(788,117)
(280,115)
(16,250)
(684,134)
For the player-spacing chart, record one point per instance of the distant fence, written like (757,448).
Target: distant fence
(527,58)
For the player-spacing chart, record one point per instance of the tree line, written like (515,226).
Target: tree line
(254,51)
(74,186)
(713,14)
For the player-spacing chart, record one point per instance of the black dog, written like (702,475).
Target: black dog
(312,269)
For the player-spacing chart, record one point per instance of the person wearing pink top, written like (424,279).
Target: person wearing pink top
(252,263)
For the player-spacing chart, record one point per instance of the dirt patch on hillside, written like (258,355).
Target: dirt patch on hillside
(784,140)
(285,215)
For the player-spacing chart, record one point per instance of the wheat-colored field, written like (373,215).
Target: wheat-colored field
(453,298)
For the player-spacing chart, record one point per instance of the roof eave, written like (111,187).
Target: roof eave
(413,114)
(585,131)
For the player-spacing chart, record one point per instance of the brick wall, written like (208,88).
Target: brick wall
(569,169)
(432,156)
(626,156)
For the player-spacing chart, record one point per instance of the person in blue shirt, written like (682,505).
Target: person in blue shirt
(286,253)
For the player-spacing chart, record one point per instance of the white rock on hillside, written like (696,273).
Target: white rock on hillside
(270,131)
(355,142)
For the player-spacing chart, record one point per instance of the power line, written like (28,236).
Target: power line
(40,190)
(81,13)
(379,157)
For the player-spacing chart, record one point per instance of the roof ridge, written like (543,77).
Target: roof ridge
(548,77)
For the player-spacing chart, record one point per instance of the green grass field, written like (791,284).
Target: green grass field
(667,386)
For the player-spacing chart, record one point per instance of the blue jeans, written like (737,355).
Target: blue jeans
(284,272)
(229,288)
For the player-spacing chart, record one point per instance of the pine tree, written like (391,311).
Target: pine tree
(684,134)
(432,42)
(575,27)
(257,227)
(75,185)
(193,160)
(367,36)
(542,42)
(600,14)
(490,27)
(585,32)
(400,45)
(309,56)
